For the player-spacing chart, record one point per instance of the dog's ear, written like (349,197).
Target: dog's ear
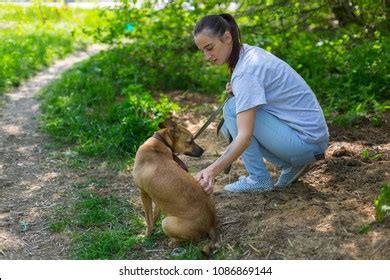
(161,125)
(168,123)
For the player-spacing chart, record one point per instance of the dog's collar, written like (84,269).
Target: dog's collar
(175,157)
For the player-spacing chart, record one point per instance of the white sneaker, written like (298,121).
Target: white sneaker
(290,175)
(246,184)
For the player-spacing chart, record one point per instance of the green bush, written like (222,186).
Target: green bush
(162,44)
(345,66)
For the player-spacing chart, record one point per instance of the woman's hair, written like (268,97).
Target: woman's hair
(218,25)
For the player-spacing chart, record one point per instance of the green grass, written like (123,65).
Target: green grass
(105,226)
(114,244)
(91,183)
(364,229)
(101,226)
(32,38)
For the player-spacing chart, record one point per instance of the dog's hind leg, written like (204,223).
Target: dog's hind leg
(148,208)
(180,229)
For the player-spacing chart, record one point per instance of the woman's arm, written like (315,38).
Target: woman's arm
(245,123)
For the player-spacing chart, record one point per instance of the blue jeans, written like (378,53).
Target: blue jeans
(273,140)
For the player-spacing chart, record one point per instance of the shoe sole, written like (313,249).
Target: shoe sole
(248,190)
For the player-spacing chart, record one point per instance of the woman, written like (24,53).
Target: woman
(273,114)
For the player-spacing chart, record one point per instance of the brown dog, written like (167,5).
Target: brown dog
(159,174)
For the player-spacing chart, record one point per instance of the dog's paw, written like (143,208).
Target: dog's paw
(173,243)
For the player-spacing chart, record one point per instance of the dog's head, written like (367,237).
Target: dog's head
(182,139)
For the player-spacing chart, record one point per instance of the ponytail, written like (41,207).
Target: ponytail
(218,25)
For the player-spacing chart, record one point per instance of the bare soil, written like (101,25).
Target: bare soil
(318,217)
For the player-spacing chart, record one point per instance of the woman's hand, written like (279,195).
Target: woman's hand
(245,123)
(228,88)
(206,179)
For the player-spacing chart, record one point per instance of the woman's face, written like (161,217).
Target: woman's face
(217,50)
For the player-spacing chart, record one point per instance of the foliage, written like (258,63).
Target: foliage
(105,107)
(341,50)
(161,41)
(33,37)
(382,203)
(347,79)
(100,107)
(367,155)
(345,64)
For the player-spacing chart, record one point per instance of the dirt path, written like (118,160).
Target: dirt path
(30,181)
(319,217)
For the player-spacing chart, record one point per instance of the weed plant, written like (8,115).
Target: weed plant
(382,203)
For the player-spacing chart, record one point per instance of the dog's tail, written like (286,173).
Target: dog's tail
(212,245)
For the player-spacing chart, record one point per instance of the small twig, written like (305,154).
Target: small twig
(269,253)
(247,253)
(63,248)
(49,206)
(154,250)
(42,229)
(254,249)
(230,222)
(27,249)
(280,253)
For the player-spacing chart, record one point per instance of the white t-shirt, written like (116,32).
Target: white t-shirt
(262,79)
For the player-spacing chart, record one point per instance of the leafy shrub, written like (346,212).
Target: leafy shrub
(162,44)
(346,66)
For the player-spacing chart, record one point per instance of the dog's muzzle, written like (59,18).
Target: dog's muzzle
(196,151)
